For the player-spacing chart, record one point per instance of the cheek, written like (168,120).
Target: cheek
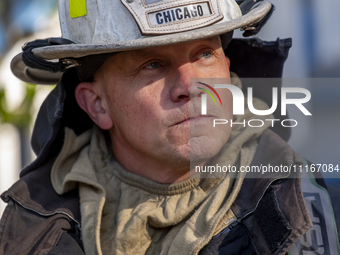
(135,112)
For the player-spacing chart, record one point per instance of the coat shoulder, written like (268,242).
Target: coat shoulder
(23,231)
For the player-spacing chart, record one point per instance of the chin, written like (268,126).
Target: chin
(203,148)
(204,143)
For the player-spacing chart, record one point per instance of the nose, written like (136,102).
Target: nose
(182,90)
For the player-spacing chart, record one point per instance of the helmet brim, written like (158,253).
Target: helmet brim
(53,52)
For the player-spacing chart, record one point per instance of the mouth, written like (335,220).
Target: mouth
(194,119)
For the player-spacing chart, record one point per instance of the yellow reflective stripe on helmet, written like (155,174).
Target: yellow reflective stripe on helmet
(77,8)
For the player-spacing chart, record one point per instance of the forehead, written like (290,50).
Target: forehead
(212,41)
(133,57)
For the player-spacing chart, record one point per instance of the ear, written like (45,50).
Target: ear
(228,61)
(89,99)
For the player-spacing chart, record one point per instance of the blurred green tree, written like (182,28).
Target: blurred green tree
(22,116)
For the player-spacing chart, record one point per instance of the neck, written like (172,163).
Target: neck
(158,171)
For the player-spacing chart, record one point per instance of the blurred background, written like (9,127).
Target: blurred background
(313,25)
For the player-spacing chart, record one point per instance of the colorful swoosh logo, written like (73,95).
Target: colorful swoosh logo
(209,93)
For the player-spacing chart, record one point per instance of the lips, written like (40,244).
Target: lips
(190,113)
(196,118)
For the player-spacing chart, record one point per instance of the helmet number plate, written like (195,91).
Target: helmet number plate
(187,12)
(172,16)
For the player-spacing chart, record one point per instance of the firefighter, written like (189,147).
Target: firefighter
(118,138)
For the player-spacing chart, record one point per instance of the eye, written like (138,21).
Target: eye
(206,54)
(153,65)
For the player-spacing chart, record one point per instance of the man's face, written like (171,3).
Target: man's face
(154,108)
